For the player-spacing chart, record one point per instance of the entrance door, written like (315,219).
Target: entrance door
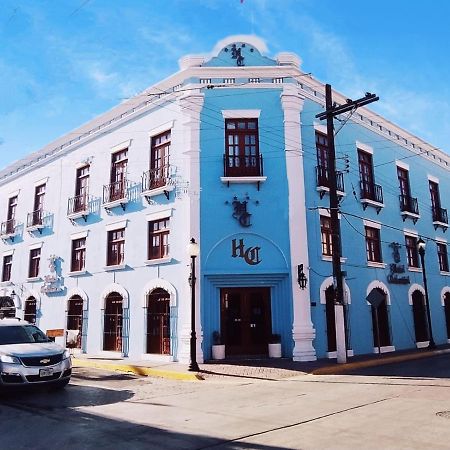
(331,319)
(419,314)
(246,320)
(158,322)
(112,334)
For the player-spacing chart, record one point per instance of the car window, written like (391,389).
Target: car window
(24,334)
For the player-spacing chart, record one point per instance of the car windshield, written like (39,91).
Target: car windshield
(21,334)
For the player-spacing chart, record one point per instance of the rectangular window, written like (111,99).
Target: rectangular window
(7,266)
(435,201)
(412,254)
(403,180)
(242,156)
(158,239)
(119,164)
(78,255)
(323,160)
(159,160)
(325,231)
(366,171)
(373,244)
(442,256)
(116,247)
(81,189)
(33,268)
(39,194)
(9,227)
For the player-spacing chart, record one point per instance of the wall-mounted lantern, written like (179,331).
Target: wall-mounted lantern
(301,277)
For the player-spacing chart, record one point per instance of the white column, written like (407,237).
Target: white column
(303,331)
(191,105)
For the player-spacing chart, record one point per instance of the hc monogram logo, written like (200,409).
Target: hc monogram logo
(240,213)
(250,255)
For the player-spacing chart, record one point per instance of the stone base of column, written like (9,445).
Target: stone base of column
(184,346)
(303,347)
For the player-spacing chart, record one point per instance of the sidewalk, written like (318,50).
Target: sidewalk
(264,369)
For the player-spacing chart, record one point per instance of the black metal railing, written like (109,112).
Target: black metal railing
(243,166)
(155,178)
(8,227)
(323,178)
(77,204)
(35,218)
(371,191)
(115,191)
(439,214)
(409,204)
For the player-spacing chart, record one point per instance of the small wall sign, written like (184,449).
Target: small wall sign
(396,269)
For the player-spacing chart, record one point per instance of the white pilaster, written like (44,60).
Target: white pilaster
(191,106)
(303,331)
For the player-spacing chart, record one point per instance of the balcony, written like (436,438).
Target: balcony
(371,194)
(35,220)
(115,194)
(157,181)
(243,169)
(323,181)
(409,207)
(8,229)
(440,218)
(77,207)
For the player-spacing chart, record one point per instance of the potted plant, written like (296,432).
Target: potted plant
(218,348)
(275,346)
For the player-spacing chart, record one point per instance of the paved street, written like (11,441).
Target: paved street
(398,406)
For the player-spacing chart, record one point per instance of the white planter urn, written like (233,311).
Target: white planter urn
(218,351)
(275,350)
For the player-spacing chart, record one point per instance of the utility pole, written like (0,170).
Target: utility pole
(331,111)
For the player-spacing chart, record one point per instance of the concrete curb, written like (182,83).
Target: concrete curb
(343,368)
(137,370)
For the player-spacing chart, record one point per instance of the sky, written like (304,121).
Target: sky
(63,62)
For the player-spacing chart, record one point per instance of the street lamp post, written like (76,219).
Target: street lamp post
(421,249)
(193,252)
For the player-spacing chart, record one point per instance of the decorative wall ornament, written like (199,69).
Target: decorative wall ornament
(396,269)
(53,282)
(240,212)
(249,254)
(236,54)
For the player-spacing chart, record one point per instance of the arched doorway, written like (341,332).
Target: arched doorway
(7,307)
(74,321)
(419,314)
(158,322)
(113,322)
(30,310)
(381,330)
(447,312)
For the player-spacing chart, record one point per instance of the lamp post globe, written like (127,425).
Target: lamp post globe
(421,245)
(193,251)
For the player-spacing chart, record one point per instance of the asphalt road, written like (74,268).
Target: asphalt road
(404,406)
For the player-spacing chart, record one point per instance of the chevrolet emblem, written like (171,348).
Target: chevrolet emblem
(44,361)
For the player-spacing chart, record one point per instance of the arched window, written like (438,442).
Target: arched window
(447,312)
(30,310)
(158,322)
(419,314)
(74,321)
(380,322)
(7,308)
(113,322)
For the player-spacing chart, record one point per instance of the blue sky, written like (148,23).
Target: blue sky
(62,62)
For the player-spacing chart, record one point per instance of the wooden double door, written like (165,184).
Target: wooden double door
(246,322)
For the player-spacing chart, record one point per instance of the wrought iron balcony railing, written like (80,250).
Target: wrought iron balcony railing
(439,214)
(371,191)
(243,166)
(8,228)
(77,204)
(155,178)
(409,204)
(115,192)
(35,219)
(323,178)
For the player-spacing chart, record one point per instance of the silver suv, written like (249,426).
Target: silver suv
(28,357)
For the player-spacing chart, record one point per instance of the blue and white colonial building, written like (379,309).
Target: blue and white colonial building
(228,151)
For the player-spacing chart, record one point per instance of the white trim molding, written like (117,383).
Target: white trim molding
(241,113)
(320,128)
(433,178)
(8,253)
(116,225)
(14,193)
(415,287)
(77,291)
(114,287)
(122,146)
(409,232)
(380,285)
(385,349)
(372,224)
(445,290)
(41,182)
(79,235)
(159,215)
(329,282)
(161,128)
(364,147)
(159,283)
(35,245)
(402,165)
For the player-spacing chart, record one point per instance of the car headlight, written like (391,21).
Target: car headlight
(66,354)
(9,359)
